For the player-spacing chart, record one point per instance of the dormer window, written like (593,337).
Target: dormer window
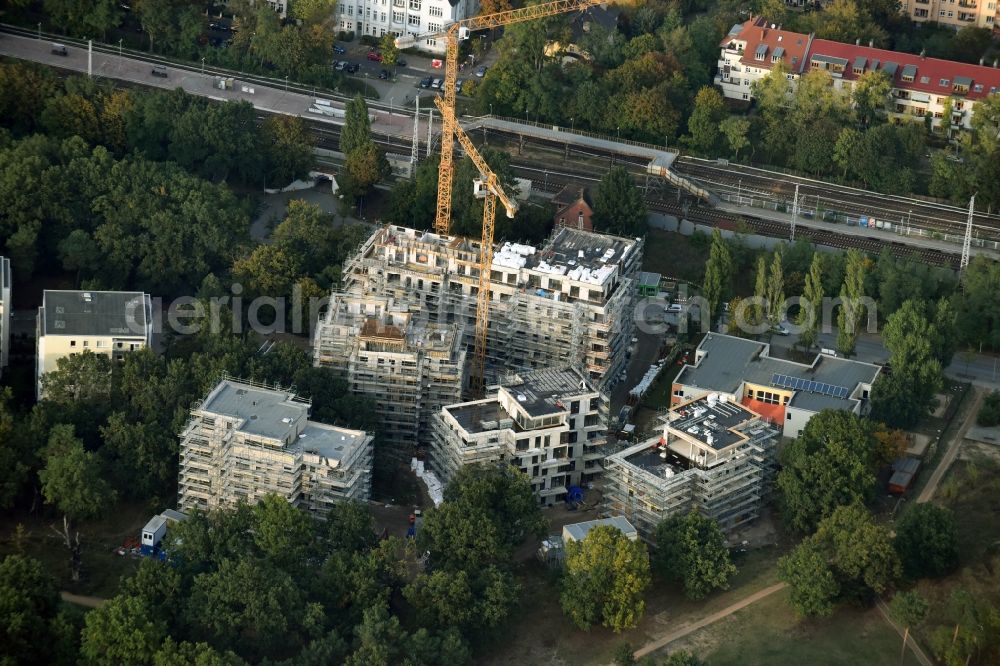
(761,52)
(909,73)
(944,83)
(778,52)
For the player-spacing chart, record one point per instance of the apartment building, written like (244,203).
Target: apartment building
(785,392)
(566,302)
(714,456)
(5,309)
(920,86)
(955,14)
(407,368)
(399,17)
(245,440)
(551,424)
(112,323)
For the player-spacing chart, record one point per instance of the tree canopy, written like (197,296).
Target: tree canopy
(690,548)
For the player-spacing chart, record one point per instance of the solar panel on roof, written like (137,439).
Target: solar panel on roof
(775,379)
(842,393)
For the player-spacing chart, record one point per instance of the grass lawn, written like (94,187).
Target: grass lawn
(544,635)
(102,568)
(769,633)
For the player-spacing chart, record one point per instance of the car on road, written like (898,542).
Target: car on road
(481,71)
(59,50)
(339,49)
(375,56)
(340,66)
(384,75)
(160,71)
(426,82)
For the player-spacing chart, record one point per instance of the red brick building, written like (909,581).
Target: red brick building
(574,212)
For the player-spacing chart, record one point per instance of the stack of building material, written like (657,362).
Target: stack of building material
(646,381)
(434,486)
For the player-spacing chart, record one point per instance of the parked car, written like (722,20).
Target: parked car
(352,67)
(339,49)
(340,66)
(458,86)
(375,56)
(436,84)
(780,330)
(160,71)
(481,71)
(384,75)
(426,82)
(400,62)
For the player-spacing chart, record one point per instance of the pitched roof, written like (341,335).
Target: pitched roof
(772,43)
(930,75)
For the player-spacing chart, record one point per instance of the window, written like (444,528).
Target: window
(413,20)
(101,344)
(86,343)
(746,96)
(415,5)
(434,27)
(944,83)
(435,11)
(72,343)
(383,21)
(397,17)
(925,79)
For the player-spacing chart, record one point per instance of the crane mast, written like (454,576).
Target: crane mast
(491,190)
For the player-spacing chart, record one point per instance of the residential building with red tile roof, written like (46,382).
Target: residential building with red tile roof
(953,13)
(920,86)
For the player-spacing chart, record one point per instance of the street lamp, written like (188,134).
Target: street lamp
(491,108)
(203,71)
(572,123)
(525,116)
(39,30)
(286,82)
(619,130)
(120,48)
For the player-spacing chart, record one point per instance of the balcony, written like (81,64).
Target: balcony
(967,4)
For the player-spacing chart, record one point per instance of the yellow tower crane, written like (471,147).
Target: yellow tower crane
(489,189)
(460,31)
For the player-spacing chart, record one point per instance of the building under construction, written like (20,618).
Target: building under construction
(407,368)
(714,456)
(568,301)
(551,424)
(246,440)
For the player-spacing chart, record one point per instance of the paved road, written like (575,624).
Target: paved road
(956,442)
(89,602)
(686,629)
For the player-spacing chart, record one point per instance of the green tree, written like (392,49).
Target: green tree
(15,452)
(194,654)
(831,464)
(618,205)
(365,166)
(356,132)
(122,631)
(851,296)
(288,148)
(703,125)
(285,535)
(812,303)
(691,548)
(718,272)
(908,608)
(757,309)
(927,541)
(72,482)
(605,579)
(388,49)
(31,629)
(989,413)
(736,131)
(871,96)
(906,394)
(775,291)
(813,584)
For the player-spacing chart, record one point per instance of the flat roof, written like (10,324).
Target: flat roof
(579,531)
(329,441)
(581,256)
(95,313)
(714,425)
(155,523)
(480,416)
(647,279)
(728,361)
(543,392)
(265,412)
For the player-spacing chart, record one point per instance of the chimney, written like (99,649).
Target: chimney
(923,52)
(871,43)
(982,59)
(995,62)
(857,42)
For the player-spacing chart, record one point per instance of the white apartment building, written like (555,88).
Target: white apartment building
(407,368)
(955,14)
(399,17)
(787,393)
(566,302)
(551,424)
(920,86)
(112,323)
(245,441)
(713,456)
(5,309)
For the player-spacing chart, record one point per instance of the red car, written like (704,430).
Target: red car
(375,55)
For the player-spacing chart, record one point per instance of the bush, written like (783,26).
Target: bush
(345,36)
(369,40)
(989,414)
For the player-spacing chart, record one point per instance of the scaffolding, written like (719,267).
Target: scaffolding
(566,301)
